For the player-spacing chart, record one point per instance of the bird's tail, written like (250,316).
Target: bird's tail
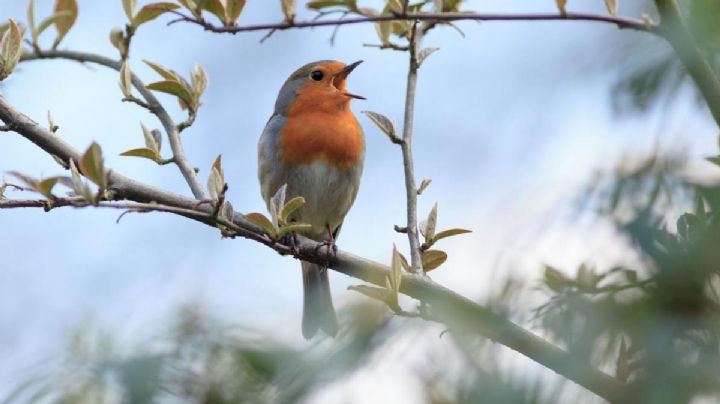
(318,310)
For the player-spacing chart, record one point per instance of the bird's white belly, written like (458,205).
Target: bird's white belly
(328,192)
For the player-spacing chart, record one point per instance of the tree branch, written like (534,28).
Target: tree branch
(458,312)
(153,105)
(406,145)
(620,22)
(674,28)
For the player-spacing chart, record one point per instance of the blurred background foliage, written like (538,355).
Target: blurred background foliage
(654,325)
(650,74)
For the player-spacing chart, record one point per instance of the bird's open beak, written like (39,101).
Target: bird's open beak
(342,75)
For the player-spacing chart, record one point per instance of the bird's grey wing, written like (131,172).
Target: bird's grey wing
(270,172)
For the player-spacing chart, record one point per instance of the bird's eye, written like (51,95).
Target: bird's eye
(316,75)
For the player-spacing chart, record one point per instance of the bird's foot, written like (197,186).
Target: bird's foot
(328,243)
(290,240)
(332,248)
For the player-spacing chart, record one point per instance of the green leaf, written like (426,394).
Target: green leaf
(263,222)
(451,5)
(45,186)
(152,11)
(3,28)
(216,7)
(167,74)
(423,54)
(432,259)
(174,88)
(561,6)
(64,24)
(371,292)
(395,272)
(129,8)
(294,227)
(586,277)
(27,180)
(233,9)
(423,185)
(367,11)
(199,81)
(555,280)
(404,263)
(289,9)
(383,31)
(49,21)
(142,152)
(449,233)
(126,80)
(320,4)
(92,166)
(52,126)
(385,125)
(715,160)
(431,223)
(150,141)
(630,275)
(216,179)
(277,202)
(31,20)
(291,206)
(395,6)
(192,6)
(79,186)
(611,6)
(10,49)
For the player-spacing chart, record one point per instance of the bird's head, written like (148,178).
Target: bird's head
(317,86)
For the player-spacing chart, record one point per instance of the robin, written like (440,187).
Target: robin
(314,144)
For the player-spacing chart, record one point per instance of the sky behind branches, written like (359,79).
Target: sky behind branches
(511,121)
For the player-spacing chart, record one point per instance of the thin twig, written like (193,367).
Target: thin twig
(620,22)
(410,188)
(172,131)
(389,45)
(456,311)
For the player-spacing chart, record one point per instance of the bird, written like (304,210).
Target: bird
(314,145)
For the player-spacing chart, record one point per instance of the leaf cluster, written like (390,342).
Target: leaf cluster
(663,311)
(280,222)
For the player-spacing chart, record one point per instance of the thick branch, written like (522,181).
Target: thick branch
(406,145)
(675,30)
(179,156)
(458,312)
(620,22)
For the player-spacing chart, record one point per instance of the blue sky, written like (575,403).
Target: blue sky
(511,121)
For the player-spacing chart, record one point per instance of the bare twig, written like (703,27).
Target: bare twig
(389,45)
(172,131)
(620,22)
(410,188)
(458,312)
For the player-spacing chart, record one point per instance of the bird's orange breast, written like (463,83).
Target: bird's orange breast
(327,134)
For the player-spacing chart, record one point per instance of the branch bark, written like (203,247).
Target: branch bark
(620,22)
(171,129)
(458,312)
(406,145)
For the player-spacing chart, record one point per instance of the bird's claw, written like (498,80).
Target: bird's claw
(332,249)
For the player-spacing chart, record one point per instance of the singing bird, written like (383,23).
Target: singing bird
(314,144)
